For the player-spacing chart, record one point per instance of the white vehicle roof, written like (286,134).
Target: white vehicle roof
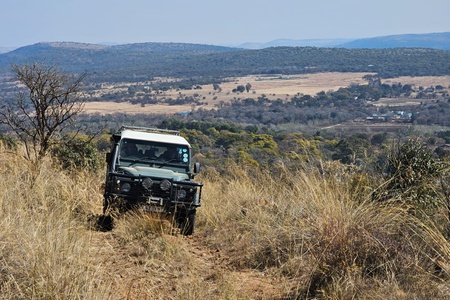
(155,137)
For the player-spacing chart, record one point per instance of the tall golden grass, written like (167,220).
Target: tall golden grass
(42,242)
(323,232)
(279,234)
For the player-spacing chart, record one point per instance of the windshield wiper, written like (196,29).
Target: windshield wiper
(171,162)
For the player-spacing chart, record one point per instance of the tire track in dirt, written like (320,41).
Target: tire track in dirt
(248,283)
(125,272)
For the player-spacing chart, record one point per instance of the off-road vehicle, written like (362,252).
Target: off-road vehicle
(151,169)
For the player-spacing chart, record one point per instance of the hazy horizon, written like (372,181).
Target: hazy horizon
(229,23)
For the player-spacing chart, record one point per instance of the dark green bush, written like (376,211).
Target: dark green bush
(8,142)
(412,174)
(77,153)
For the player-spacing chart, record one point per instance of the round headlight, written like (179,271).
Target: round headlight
(165,185)
(147,183)
(126,187)
(181,194)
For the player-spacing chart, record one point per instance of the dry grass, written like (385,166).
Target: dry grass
(48,251)
(42,249)
(260,235)
(324,234)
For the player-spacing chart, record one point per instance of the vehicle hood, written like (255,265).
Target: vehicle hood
(155,172)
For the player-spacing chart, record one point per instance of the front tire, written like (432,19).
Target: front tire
(186,222)
(104,223)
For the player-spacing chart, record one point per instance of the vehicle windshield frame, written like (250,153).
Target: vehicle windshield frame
(142,153)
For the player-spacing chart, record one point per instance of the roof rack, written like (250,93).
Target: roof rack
(149,129)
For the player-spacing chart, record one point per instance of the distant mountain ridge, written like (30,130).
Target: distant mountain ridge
(439,40)
(431,40)
(427,40)
(145,61)
(296,43)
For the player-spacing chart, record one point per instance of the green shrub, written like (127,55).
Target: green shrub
(412,174)
(77,153)
(7,142)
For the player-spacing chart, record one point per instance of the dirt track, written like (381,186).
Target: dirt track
(203,272)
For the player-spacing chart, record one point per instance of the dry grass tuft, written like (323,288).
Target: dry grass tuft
(136,225)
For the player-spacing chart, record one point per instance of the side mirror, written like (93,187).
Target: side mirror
(196,168)
(108,157)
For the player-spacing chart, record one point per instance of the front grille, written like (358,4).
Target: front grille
(156,191)
(138,193)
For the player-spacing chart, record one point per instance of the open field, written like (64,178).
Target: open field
(126,107)
(273,87)
(402,101)
(425,81)
(282,86)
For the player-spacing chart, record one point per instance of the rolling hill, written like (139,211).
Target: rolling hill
(144,61)
(430,40)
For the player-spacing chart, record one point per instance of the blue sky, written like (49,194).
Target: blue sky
(218,22)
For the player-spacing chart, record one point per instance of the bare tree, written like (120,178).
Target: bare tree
(48,101)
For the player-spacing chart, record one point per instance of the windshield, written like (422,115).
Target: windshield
(146,151)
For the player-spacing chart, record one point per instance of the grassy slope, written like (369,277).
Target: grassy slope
(259,236)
